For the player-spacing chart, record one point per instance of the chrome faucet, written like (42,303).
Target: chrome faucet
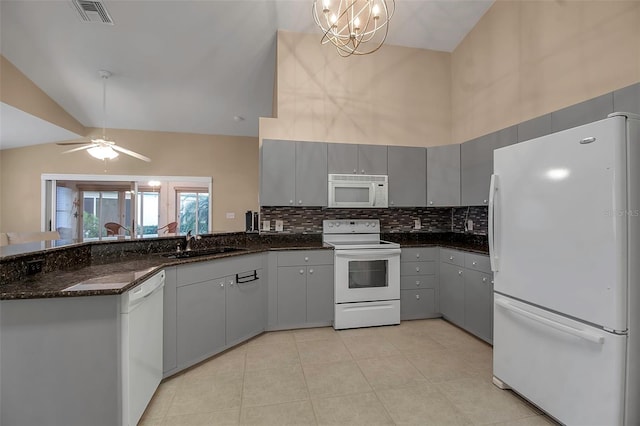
(189,239)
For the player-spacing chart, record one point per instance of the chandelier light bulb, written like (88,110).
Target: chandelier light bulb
(354,27)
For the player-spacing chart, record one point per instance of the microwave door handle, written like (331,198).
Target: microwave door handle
(373,195)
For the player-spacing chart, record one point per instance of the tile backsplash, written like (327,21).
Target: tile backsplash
(440,219)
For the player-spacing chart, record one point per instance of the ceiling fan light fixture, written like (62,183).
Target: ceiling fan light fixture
(102,152)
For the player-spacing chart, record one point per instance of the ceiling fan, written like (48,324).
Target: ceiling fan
(102,148)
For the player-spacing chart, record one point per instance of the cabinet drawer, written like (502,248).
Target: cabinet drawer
(417,268)
(418,254)
(305,257)
(416,304)
(414,282)
(477,262)
(207,270)
(452,256)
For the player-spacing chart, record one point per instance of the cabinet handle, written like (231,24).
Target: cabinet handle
(355,171)
(299,201)
(290,201)
(362,171)
(459,272)
(231,283)
(484,280)
(417,255)
(417,297)
(301,271)
(311,271)
(222,284)
(474,263)
(491,281)
(417,283)
(306,259)
(417,269)
(431,203)
(484,201)
(450,257)
(392,203)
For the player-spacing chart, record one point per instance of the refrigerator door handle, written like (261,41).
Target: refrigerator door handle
(591,337)
(493,256)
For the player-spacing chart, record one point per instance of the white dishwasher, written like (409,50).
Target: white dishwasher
(141,346)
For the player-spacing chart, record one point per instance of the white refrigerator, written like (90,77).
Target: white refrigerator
(564,241)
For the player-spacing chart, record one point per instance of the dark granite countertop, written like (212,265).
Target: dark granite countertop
(129,263)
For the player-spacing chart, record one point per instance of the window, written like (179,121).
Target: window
(193,211)
(101,207)
(149,212)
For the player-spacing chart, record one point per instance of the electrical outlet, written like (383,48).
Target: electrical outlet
(279,225)
(417,224)
(469,225)
(34,266)
(266,225)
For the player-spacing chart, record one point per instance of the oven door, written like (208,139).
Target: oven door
(367,275)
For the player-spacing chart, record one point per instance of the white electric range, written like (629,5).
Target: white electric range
(367,273)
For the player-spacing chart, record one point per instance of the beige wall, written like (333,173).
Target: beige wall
(20,92)
(397,96)
(231,161)
(527,58)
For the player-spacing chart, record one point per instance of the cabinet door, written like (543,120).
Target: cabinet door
(534,128)
(320,294)
(372,159)
(452,293)
(292,296)
(245,314)
(476,162)
(407,167)
(169,360)
(311,174)
(443,175)
(582,113)
(200,321)
(342,158)
(418,304)
(627,99)
(277,173)
(478,304)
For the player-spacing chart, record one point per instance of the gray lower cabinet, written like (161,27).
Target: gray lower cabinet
(60,361)
(407,168)
(419,292)
(476,164)
(219,303)
(466,291)
(303,289)
(443,176)
(169,356)
(452,293)
(478,304)
(245,307)
(200,321)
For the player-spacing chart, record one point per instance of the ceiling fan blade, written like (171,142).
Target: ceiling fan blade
(131,153)
(80,148)
(72,143)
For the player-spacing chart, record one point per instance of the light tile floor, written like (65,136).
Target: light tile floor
(426,372)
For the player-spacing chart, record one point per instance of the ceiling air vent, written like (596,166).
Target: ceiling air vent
(92,11)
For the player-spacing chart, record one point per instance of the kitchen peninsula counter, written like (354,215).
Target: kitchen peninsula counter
(126,263)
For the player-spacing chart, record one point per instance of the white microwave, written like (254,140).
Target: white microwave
(358,190)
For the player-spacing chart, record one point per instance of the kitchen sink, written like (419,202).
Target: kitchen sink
(202,252)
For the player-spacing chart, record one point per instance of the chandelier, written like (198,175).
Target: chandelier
(355,27)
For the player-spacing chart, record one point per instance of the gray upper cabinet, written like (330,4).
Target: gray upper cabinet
(627,99)
(534,128)
(293,173)
(407,167)
(277,173)
(443,175)
(372,159)
(582,113)
(357,159)
(311,174)
(476,162)
(342,158)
